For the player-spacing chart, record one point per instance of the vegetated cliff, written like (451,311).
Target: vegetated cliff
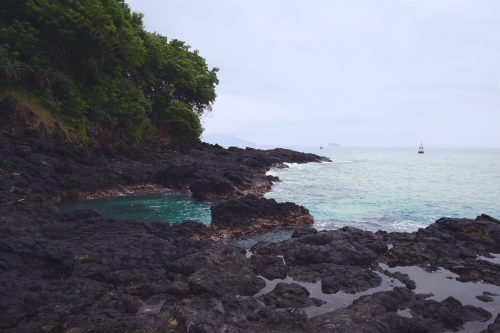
(95,68)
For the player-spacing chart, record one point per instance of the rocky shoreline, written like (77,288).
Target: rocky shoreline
(81,272)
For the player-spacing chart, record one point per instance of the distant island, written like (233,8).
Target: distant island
(226,140)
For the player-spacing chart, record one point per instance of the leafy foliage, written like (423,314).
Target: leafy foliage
(185,120)
(93,62)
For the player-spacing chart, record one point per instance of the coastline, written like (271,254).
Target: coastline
(81,272)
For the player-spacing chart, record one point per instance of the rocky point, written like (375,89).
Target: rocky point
(81,272)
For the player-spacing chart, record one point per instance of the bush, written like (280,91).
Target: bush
(181,120)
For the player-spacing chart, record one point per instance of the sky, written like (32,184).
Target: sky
(357,72)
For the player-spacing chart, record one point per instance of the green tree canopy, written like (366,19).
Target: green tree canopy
(93,62)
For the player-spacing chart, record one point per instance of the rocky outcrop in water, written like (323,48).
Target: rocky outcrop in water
(252,215)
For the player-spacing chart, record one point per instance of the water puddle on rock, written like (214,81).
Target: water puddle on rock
(495,258)
(442,284)
(269,237)
(404,313)
(332,301)
(151,307)
(151,206)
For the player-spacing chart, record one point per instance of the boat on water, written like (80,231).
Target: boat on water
(321,147)
(421,148)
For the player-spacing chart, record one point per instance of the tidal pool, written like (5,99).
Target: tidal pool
(172,207)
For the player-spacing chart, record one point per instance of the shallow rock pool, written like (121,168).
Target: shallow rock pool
(169,206)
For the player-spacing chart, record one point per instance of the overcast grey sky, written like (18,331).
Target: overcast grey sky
(356,72)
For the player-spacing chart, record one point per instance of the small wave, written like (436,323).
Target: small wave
(406,225)
(336,224)
(341,161)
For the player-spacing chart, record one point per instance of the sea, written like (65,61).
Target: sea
(392,189)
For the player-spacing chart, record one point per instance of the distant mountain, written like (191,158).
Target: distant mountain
(333,144)
(226,140)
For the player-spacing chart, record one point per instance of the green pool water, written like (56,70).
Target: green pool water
(152,206)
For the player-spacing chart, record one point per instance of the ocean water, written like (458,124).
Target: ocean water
(393,189)
(151,206)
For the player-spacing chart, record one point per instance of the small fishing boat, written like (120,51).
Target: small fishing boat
(421,149)
(321,147)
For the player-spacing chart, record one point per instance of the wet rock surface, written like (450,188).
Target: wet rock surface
(81,272)
(379,313)
(289,295)
(494,327)
(454,244)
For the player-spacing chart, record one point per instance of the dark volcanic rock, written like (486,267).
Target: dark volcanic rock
(346,246)
(212,187)
(373,313)
(449,313)
(494,327)
(403,278)
(224,272)
(484,298)
(349,279)
(251,215)
(454,244)
(270,267)
(81,272)
(379,313)
(297,233)
(286,295)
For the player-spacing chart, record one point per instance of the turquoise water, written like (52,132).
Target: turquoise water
(152,206)
(393,189)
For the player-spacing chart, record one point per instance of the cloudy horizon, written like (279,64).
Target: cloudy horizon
(359,73)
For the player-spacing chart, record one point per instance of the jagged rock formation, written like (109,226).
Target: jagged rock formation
(81,272)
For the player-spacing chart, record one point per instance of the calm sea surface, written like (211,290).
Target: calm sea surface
(393,189)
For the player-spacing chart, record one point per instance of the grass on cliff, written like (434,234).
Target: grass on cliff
(39,115)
